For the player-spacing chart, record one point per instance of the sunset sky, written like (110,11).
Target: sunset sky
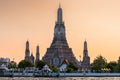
(97,21)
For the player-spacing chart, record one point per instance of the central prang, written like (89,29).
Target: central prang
(59,49)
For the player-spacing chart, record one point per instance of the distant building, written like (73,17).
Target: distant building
(63,67)
(86,59)
(4,61)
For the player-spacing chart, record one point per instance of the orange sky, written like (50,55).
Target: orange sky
(97,21)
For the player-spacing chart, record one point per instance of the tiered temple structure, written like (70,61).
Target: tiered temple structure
(59,49)
(29,57)
(86,58)
(27,52)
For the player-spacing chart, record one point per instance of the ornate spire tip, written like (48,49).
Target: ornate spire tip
(59,4)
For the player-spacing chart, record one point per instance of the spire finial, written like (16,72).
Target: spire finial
(59,4)
(85,39)
(59,14)
(85,45)
(27,39)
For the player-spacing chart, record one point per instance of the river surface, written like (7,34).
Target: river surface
(61,78)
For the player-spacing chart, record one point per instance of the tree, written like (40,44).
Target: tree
(54,68)
(118,66)
(12,65)
(40,64)
(112,66)
(71,67)
(98,64)
(23,64)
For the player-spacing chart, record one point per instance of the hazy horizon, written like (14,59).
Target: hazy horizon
(96,21)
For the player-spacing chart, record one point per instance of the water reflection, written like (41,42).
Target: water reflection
(61,78)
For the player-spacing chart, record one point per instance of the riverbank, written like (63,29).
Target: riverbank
(69,75)
(60,78)
(20,74)
(89,74)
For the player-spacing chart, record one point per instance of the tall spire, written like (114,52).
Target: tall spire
(59,14)
(59,5)
(27,51)
(37,54)
(37,49)
(32,58)
(59,49)
(85,45)
(27,45)
(86,58)
(85,51)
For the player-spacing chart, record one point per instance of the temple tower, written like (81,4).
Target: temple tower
(86,58)
(32,58)
(27,51)
(37,54)
(59,49)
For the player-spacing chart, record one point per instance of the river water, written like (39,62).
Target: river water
(61,78)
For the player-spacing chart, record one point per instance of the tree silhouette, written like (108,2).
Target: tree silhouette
(23,64)
(98,64)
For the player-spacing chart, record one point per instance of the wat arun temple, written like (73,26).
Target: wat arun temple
(59,49)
